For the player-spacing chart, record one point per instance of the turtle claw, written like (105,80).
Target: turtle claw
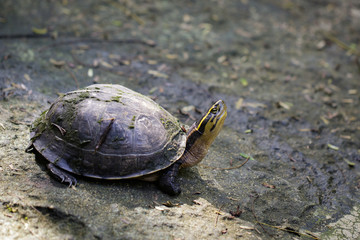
(69,179)
(61,175)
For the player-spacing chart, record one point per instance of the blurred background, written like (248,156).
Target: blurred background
(288,71)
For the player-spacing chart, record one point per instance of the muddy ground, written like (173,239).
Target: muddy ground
(288,70)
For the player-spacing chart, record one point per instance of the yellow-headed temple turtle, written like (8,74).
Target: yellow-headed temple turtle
(111,132)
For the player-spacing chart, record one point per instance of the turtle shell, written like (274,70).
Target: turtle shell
(109,132)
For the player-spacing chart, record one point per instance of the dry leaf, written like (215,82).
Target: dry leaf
(152,62)
(221,59)
(333,147)
(57,63)
(39,31)
(157,74)
(246,227)
(27,77)
(326,122)
(254,105)
(171,56)
(170,204)
(105,64)
(347,100)
(197,202)
(159,208)
(352,91)
(239,103)
(265,184)
(351,164)
(186,18)
(285,105)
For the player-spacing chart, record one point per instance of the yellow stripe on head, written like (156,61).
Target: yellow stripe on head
(206,129)
(213,119)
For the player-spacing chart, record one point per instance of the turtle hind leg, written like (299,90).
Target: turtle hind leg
(167,180)
(63,176)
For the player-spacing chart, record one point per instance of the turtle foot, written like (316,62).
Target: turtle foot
(167,181)
(61,175)
(172,189)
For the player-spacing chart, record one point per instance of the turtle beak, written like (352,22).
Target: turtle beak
(219,118)
(222,109)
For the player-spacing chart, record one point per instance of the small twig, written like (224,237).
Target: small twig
(239,166)
(24,35)
(341,44)
(105,133)
(19,122)
(61,129)
(253,212)
(182,128)
(218,214)
(289,230)
(229,168)
(78,61)
(29,229)
(149,43)
(237,213)
(72,75)
(31,206)
(187,114)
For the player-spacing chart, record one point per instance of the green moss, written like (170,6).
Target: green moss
(39,125)
(69,114)
(84,95)
(118,139)
(72,136)
(116,98)
(168,123)
(76,97)
(56,160)
(132,124)
(70,104)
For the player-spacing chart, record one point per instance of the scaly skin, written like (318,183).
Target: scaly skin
(199,139)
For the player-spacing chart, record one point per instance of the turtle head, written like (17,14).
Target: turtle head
(203,133)
(211,123)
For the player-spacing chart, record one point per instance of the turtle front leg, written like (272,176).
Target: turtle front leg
(167,180)
(64,177)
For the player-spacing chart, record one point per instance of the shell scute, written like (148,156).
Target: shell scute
(108,131)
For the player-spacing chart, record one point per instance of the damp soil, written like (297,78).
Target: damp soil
(286,164)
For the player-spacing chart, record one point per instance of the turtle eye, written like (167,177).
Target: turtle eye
(215,109)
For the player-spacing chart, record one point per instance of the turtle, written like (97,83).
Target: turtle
(108,131)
